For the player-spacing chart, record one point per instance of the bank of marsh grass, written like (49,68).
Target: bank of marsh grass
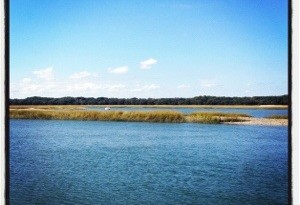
(130,116)
(136,116)
(214,117)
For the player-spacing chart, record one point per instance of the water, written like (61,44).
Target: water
(87,162)
(259,113)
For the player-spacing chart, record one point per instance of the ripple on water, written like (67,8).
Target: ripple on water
(77,162)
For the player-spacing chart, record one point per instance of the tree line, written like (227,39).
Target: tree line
(199,100)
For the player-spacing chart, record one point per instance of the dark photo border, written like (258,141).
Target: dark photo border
(7,94)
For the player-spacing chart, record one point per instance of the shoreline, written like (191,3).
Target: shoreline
(260,121)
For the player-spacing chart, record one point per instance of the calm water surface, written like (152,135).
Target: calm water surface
(259,113)
(86,162)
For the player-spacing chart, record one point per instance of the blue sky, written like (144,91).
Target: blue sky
(138,48)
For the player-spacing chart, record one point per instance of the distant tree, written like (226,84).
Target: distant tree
(198,100)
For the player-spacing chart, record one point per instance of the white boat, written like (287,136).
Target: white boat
(107,108)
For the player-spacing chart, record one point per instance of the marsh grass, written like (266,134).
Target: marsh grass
(136,116)
(219,114)
(277,117)
(130,116)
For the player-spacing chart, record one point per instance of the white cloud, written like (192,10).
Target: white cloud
(148,63)
(145,88)
(26,80)
(46,74)
(43,83)
(79,75)
(30,88)
(25,87)
(119,70)
(183,86)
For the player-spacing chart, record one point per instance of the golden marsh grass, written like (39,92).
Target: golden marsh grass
(135,116)
(214,117)
(130,116)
